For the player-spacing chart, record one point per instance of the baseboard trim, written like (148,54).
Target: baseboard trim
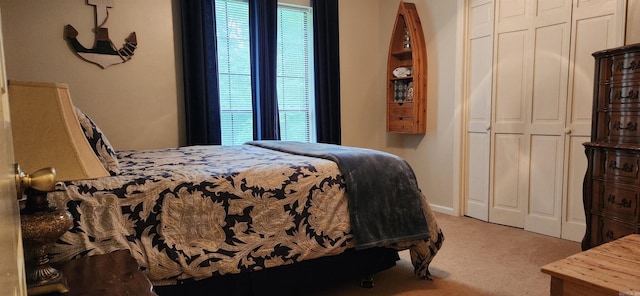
(444,210)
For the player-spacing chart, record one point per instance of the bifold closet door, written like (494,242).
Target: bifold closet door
(511,103)
(479,69)
(540,110)
(550,46)
(596,25)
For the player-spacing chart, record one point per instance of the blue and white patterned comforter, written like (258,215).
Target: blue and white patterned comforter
(201,211)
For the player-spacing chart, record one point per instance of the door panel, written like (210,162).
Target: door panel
(545,154)
(546,7)
(479,112)
(573,221)
(509,157)
(590,35)
(478,181)
(509,190)
(550,33)
(511,9)
(595,26)
(593,4)
(545,185)
(550,75)
(480,83)
(12,278)
(510,84)
(512,15)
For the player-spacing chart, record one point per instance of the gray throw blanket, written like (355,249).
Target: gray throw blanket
(384,200)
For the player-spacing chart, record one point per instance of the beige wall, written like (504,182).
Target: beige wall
(137,104)
(365,32)
(432,155)
(364,42)
(362,74)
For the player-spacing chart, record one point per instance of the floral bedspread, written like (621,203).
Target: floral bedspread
(201,211)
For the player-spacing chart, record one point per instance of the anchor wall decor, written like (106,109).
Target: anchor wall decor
(103,53)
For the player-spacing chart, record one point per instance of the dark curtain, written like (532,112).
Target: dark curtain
(263,32)
(199,51)
(327,70)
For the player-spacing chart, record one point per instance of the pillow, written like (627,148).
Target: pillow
(99,143)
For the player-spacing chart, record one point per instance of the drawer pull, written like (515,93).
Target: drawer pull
(625,203)
(626,167)
(633,95)
(632,127)
(634,65)
(610,235)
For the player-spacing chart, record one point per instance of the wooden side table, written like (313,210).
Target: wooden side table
(609,269)
(116,273)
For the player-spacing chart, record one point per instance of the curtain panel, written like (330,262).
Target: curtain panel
(327,70)
(200,72)
(263,32)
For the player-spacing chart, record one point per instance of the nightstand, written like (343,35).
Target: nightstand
(115,273)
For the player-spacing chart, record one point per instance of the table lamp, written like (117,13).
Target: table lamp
(46,134)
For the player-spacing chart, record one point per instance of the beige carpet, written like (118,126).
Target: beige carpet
(477,258)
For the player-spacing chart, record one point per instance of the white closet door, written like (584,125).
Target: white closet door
(540,111)
(479,71)
(596,25)
(550,43)
(511,92)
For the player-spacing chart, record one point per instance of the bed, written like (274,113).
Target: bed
(195,213)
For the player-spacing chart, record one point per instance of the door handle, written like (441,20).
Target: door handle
(42,180)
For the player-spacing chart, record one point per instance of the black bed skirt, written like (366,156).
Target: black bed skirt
(295,279)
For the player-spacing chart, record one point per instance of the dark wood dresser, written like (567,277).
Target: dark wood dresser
(612,183)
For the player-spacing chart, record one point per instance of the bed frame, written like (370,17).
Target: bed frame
(305,277)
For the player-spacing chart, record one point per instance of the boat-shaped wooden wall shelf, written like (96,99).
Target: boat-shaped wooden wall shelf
(407,74)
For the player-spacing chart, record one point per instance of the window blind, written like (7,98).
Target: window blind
(234,71)
(294,72)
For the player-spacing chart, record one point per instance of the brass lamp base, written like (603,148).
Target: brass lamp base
(41,227)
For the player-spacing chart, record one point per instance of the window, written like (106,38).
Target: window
(294,72)
(234,71)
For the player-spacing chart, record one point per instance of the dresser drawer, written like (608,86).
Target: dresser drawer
(401,110)
(618,127)
(624,96)
(626,66)
(621,166)
(401,124)
(615,198)
(608,229)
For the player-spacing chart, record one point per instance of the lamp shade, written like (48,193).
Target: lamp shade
(47,133)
